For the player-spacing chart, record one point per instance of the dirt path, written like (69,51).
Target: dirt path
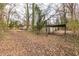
(26,43)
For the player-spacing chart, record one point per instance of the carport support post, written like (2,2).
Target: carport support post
(65,29)
(46,31)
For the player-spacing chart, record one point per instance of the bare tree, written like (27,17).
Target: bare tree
(71,9)
(27,15)
(33,14)
(9,12)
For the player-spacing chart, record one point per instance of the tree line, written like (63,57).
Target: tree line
(35,16)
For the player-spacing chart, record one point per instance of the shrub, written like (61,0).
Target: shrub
(73,25)
(3,25)
(38,27)
(13,24)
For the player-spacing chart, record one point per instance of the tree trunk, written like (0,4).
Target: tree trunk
(33,13)
(27,17)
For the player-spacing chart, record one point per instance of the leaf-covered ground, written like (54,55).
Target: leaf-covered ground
(26,43)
